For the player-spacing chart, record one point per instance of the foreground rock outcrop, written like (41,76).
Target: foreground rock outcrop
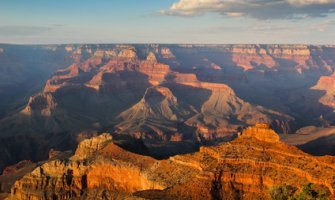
(245,168)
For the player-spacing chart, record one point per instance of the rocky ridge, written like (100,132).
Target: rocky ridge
(246,167)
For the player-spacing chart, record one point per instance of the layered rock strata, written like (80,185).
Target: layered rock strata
(245,168)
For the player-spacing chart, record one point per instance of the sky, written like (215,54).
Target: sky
(167,21)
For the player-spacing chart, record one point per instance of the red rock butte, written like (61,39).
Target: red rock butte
(261,132)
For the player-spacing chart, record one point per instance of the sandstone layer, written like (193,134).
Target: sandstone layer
(246,168)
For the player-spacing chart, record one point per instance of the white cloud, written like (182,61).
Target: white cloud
(309,2)
(261,9)
(194,7)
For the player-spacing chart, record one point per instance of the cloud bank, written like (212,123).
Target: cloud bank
(259,9)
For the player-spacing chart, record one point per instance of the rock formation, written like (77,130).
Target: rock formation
(151,57)
(313,140)
(158,111)
(14,168)
(130,96)
(166,53)
(327,84)
(128,54)
(246,168)
(261,132)
(42,104)
(165,98)
(250,56)
(89,146)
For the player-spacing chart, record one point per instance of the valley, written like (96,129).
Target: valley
(170,105)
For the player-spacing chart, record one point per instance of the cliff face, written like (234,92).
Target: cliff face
(128,54)
(166,53)
(313,140)
(249,57)
(98,169)
(90,146)
(261,132)
(326,84)
(247,167)
(42,104)
(159,112)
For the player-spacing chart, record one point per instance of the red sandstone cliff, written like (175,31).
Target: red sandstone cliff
(248,167)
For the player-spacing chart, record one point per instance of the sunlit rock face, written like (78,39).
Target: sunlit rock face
(151,57)
(250,56)
(327,85)
(261,132)
(97,166)
(128,54)
(246,167)
(167,53)
(89,146)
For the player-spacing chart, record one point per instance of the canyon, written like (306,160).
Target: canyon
(147,110)
(24,70)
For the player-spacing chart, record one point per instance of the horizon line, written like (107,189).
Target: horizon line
(155,43)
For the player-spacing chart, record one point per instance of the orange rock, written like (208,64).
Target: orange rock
(261,132)
(326,84)
(151,57)
(128,53)
(247,167)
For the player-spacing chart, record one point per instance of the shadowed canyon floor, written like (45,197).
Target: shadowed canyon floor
(245,168)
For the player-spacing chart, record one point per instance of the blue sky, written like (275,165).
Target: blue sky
(167,21)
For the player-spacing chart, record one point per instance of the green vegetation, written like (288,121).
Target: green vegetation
(308,192)
(285,192)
